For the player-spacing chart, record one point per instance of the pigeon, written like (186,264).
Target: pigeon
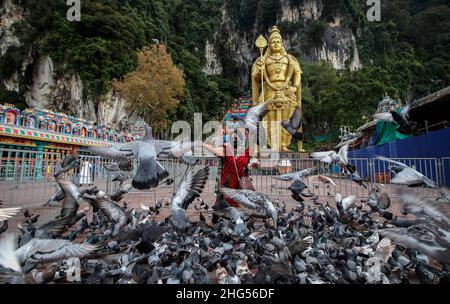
(323,179)
(72,195)
(380,204)
(69,162)
(296,175)
(405,175)
(221,274)
(39,251)
(294,124)
(148,233)
(112,211)
(4,227)
(355,177)
(384,201)
(121,176)
(296,187)
(6,213)
(149,172)
(422,237)
(242,268)
(56,197)
(297,247)
(118,196)
(339,158)
(45,276)
(10,268)
(400,119)
(113,167)
(444,195)
(252,200)
(433,210)
(189,188)
(120,165)
(344,204)
(251,122)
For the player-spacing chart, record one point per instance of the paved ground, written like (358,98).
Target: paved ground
(34,196)
(136,199)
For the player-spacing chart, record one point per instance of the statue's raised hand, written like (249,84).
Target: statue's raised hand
(260,64)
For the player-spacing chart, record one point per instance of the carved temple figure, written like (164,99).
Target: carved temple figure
(281,74)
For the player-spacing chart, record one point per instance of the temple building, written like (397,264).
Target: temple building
(47,131)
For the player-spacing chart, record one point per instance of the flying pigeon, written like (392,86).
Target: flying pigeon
(254,116)
(400,119)
(339,158)
(6,213)
(405,175)
(10,269)
(149,172)
(253,200)
(69,162)
(39,251)
(294,124)
(113,212)
(189,188)
(296,175)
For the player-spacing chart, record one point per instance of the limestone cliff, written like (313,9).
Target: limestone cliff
(337,46)
(43,83)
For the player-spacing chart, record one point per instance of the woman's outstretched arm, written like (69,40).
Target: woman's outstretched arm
(218,151)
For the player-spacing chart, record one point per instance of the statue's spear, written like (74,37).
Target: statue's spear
(261,44)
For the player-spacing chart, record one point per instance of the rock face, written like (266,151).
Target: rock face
(42,87)
(231,51)
(10,14)
(338,42)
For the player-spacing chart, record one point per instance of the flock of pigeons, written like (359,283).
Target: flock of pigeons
(262,241)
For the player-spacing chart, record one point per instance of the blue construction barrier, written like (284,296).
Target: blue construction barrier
(434,145)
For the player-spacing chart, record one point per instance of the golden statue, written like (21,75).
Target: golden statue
(276,78)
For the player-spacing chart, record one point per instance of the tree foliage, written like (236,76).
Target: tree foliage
(154,88)
(406,54)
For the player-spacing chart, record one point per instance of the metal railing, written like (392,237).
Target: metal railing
(445,171)
(374,172)
(26,177)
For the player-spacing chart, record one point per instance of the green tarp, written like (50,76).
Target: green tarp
(387,132)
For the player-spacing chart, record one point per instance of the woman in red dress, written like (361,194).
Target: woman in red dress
(234,166)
